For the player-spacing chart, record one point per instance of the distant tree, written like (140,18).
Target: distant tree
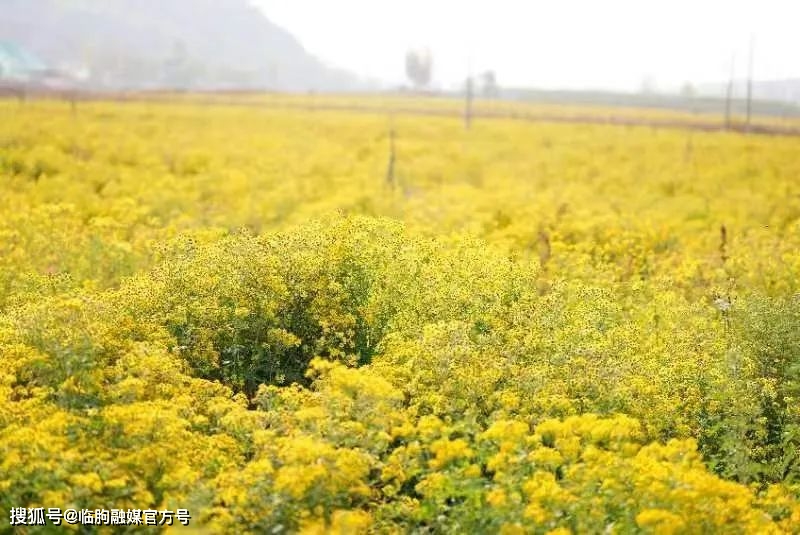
(176,67)
(419,67)
(648,86)
(490,88)
(688,90)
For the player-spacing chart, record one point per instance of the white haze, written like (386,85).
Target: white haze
(570,44)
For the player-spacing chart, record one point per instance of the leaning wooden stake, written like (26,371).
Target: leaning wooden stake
(723,243)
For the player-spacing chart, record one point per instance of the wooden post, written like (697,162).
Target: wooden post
(723,243)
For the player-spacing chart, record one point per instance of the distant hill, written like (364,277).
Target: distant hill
(180,44)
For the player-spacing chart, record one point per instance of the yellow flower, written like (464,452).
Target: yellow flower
(512,529)
(446,451)
(660,521)
(496,497)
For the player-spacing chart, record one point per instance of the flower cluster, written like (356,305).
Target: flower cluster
(530,329)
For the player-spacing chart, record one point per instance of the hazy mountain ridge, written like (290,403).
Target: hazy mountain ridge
(188,44)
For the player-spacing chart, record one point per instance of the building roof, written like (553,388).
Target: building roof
(17,63)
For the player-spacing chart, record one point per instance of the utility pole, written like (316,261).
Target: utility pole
(750,80)
(468,89)
(729,94)
(468,103)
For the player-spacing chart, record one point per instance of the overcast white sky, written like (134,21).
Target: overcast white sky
(606,44)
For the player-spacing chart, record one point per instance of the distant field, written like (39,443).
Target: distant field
(536,106)
(248,306)
(553,106)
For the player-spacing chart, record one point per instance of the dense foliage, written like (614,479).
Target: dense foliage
(529,329)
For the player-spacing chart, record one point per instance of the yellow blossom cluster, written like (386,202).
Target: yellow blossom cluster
(521,328)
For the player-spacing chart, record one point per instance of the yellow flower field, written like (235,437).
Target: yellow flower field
(522,328)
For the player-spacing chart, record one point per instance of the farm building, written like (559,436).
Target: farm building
(19,68)
(19,65)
